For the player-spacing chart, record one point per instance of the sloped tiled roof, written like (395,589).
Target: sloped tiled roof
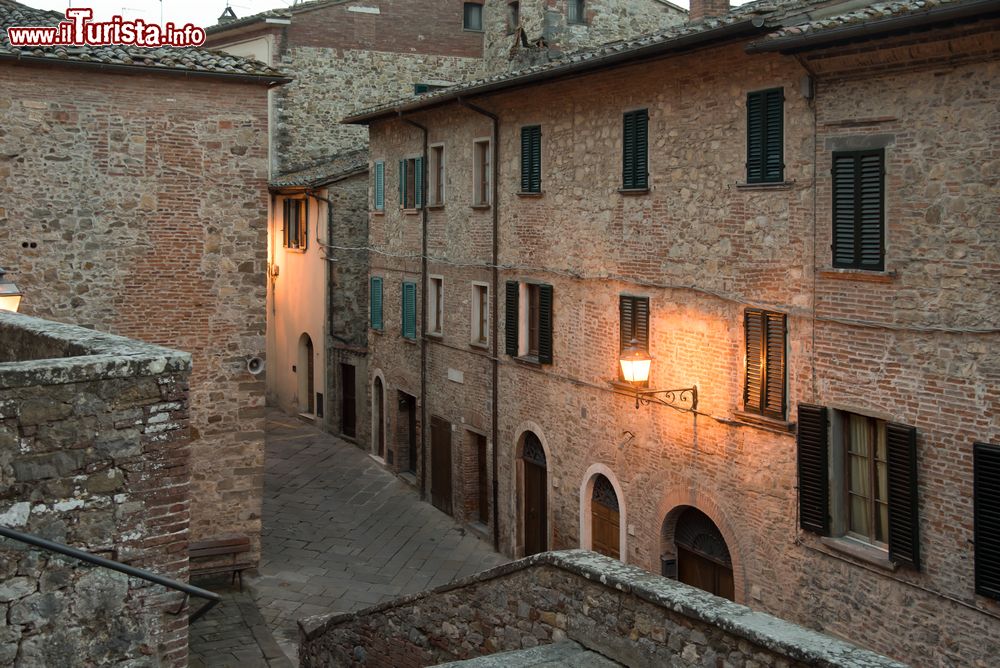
(344,164)
(278,13)
(164,59)
(873,12)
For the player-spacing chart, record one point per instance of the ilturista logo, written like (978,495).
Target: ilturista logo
(79,30)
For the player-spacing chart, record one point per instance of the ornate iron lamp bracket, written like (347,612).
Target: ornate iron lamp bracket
(685,398)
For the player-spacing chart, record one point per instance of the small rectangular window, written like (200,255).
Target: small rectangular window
(576,13)
(528,321)
(533,315)
(473,16)
(375,294)
(765,136)
(435,176)
(481,173)
(295,221)
(411,180)
(480,314)
(409,310)
(764,389)
(379,185)
(531,159)
(435,305)
(633,323)
(635,139)
(513,17)
(858,210)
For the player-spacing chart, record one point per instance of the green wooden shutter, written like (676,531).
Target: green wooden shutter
(418,182)
(774,366)
(858,210)
(642,149)
(755,137)
(901,461)
(511,316)
(410,310)
(402,183)
(812,441)
(375,299)
(765,136)
(536,159)
(525,160)
(753,389)
(986,512)
(545,324)
(379,186)
(628,151)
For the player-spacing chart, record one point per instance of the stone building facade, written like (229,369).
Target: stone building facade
(133,200)
(94,453)
(802,351)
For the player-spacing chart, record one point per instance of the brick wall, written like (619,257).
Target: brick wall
(136,204)
(915,345)
(94,453)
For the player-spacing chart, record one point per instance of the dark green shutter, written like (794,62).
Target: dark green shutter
(525,160)
(986,511)
(545,324)
(813,459)
(626,318)
(765,136)
(531,159)
(753,389)
(774,366)
(402,183)
(510,321)
(628,152)
(375,298)
(858,206)
(379,186)
(410,310)
(418,181)
(901,456)
(635,140)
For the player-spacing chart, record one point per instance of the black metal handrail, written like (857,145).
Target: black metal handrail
(52,546)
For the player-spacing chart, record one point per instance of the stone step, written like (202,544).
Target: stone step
(563,654)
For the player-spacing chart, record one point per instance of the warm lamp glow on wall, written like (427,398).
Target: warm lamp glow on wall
(635,363)
(10,296)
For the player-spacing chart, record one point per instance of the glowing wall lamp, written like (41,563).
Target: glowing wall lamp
(10,296)
(635,362)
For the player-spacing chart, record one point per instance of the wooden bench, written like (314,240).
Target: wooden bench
(214,550)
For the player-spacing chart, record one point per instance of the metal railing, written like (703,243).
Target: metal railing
(189,590)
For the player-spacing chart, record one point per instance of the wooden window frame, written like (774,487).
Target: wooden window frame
(764,373)
(465,16)
(436,175)
(521,307)
(856,204)
(295,229)
(435,305)
(879,497)
(480,316)
(759,175)
(482,176)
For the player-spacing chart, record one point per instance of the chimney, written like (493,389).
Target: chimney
(702,9)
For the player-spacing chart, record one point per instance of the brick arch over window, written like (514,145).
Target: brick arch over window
(586,507)
(517,501)
(670,508)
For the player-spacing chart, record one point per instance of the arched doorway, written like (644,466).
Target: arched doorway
(536,526)
(307,375)
(378,417)
(703,559)
(605,519)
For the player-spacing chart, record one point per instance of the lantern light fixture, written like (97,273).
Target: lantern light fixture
(635,363)
(10,296)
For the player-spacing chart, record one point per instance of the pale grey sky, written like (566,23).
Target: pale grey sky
(201,13)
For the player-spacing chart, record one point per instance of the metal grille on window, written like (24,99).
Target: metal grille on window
(533,451)
(604,493)
(697,533)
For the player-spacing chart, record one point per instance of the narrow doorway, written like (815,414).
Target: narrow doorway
(536,529)
(307,380)
(605,519)
(378,416)
(441,464)
(348,404)
(408,438)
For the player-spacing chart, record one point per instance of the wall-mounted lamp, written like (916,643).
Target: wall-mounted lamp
(10,296)
(635,362)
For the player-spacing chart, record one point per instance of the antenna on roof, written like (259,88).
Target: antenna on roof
(227,14)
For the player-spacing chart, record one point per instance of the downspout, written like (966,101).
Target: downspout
(494,291)
(423,313)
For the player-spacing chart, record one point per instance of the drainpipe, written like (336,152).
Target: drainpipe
(494,347)
(423,313)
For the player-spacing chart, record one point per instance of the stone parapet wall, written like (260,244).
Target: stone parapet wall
(617,610)
(94,453)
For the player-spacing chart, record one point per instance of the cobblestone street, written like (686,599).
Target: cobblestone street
(340,534)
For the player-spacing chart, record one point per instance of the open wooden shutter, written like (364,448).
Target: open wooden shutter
(511,314)
(904,534)
(986,504)
(755,137)
(410,310)
(813,459)
(418,183)
(402,183)
(626,320)
(375,298)
(774,366)
(628,151)
(858,206)
(286,220)
(379,186)
(765,136)
(641,149)
(526,159)
(545,324)
(633,316)
(753,389)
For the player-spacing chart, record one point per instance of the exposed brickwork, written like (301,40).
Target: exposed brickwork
(703,247)
(703,8)
(146,197)
(95,455)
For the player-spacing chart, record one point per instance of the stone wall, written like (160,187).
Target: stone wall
(94,453)
(136,204)
(616,610)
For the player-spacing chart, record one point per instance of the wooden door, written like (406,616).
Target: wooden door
(605,530)
(379,418)
(348,404)
(441,464)
(703,573)
(536,530)
(310,378)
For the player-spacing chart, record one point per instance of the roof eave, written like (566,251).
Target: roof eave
(975,10)
(730,31)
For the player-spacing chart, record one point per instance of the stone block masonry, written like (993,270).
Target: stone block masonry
(136,204)
(616,610)
(94,453)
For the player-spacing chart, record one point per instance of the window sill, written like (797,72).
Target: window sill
(528,360)
(869,554)
(633,191)
(376,331)
(410,212)
(480,30)
(435,207)
(479,346)
(529,194)
(377,212)
(782,426)
(412,342)
(290,249)
(480,206)
(771,185)
(863,275)
(436,336)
